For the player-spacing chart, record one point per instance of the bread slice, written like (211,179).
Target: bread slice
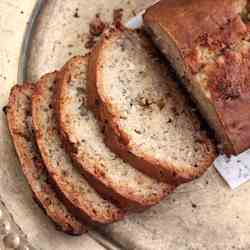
(20,126)
(80,197)
(111,176)
(148,119)
(209,48)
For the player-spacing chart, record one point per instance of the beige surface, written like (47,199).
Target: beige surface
(204,215)
(13,188)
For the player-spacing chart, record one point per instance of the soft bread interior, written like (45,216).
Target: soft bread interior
(65,175)
(83,130)
(152,110)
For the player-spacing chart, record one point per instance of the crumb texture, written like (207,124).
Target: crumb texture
(83,131)
(69,180)
(148,105)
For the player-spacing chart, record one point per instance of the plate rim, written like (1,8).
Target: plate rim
(26,41)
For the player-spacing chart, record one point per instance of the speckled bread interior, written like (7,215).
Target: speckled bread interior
(81,134)
(147,118)
(78,195)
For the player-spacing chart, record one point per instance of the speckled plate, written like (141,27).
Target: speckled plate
(203,215)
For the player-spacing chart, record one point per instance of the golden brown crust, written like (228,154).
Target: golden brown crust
(192,24)
(85,213)
(230,88)
(32,165)
(123,198)
(221,39)
(118,140)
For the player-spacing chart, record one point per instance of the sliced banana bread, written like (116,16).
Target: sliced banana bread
(148,120)
(203,43)
(83,138)
(20,126)
(80,197)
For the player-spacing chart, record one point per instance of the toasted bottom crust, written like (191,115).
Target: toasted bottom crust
(118,141)
(32,165)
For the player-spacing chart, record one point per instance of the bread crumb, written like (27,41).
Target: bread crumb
(5,109)
(194,205)
(161,104)
(174,110)
(76,14)
(97,26)
(138,132)
(117,17)
(90,43)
